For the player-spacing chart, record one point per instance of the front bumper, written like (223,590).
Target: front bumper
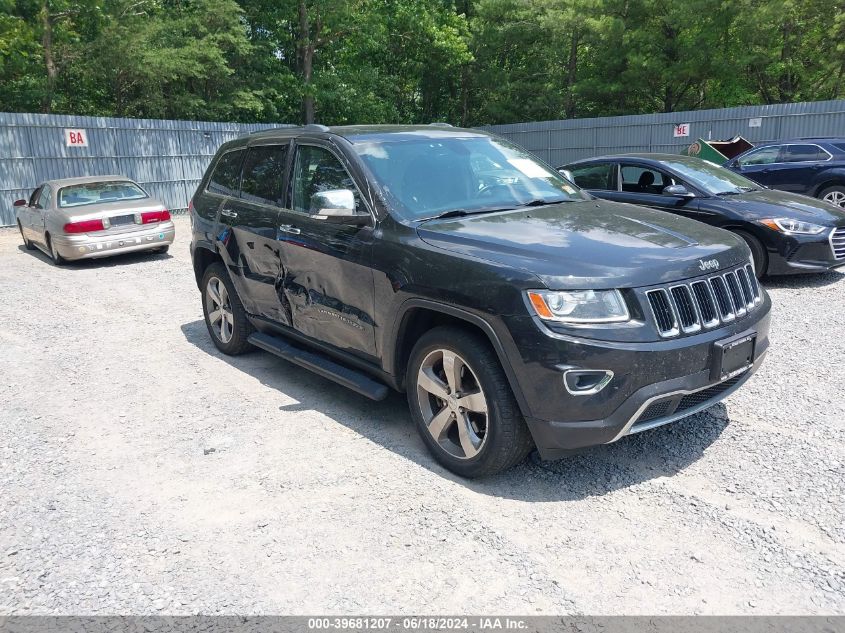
(653,383)
(87,246)
(797,254)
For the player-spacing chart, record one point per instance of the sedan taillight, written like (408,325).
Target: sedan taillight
(85,226)
(155,216)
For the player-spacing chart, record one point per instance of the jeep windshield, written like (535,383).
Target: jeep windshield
(425,177)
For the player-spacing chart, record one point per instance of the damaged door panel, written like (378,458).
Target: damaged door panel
(325,279)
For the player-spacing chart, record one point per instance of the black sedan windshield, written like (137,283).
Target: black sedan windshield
(429,177)
(711,178)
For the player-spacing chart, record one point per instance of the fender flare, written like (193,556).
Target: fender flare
(397,331)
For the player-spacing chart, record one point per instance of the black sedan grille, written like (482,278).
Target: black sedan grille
(837,242)
(705,303)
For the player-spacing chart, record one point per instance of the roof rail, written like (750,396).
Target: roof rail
(441,124)
(316,127)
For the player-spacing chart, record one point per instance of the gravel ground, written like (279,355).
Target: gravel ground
(142,472)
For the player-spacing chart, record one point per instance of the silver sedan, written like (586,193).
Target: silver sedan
(80,218)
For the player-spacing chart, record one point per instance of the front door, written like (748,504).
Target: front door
(762,165)
(326,282)
(644,185)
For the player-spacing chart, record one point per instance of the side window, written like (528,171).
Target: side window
(227,174)
(764,156)
(601,177)
(637,179)
(804,154)
(263,174)
(317,169)
(33,199)
(45,197)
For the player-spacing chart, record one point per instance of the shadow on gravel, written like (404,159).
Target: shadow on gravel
(111,261)
(594,472)
(815,280)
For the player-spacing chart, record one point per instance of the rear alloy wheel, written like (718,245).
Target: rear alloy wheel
(463,405)
(27,244)
(834,195)
(58,260)
(224,313)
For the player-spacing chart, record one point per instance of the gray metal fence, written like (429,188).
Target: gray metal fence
(167,158)
(560,142)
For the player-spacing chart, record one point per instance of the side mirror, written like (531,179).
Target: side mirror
(336,206)
(678,191)
(20,203)
(566,174)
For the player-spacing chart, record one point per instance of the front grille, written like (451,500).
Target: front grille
(705,303)
(837,242)
(673,405)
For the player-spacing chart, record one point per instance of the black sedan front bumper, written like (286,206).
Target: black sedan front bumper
(794,254)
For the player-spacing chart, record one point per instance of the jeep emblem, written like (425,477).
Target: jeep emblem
(708,264)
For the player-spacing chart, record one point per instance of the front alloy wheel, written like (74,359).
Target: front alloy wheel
(462,403)
(453,403)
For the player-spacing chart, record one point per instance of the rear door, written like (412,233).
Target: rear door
(254,218)
(801,164)
(326,276)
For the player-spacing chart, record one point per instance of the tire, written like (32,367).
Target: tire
(58,260)
(229,333)
(497,438)
(758,253)
(27,244)
(834,195)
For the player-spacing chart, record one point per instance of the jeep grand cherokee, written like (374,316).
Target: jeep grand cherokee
(513,309)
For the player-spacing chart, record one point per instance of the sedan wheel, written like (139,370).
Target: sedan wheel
(453,403)
(219,307)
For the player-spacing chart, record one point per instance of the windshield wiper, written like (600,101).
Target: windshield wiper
(541,202)
(736,191)
(458,213)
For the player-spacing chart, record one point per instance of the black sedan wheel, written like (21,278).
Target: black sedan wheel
(758,253)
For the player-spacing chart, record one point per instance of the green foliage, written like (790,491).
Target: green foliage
(365,61)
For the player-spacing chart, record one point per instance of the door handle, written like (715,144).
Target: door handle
(287,228)
(228,213)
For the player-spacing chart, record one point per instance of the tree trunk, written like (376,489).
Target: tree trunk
(571,69)
(306,60)
(49,61)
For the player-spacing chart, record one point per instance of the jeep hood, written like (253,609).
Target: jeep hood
(591,244)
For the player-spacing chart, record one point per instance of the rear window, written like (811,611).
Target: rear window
(99,193)
(263,174)
(226,178)
(804,153)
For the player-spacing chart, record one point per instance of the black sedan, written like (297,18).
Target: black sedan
(786,232)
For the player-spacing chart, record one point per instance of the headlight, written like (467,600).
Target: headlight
(793,227)
(579,306)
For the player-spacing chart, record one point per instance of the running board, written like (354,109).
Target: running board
(350,378)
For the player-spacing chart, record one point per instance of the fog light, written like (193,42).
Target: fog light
(586,382)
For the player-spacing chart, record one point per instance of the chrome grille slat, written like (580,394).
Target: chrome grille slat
(837,242)
(735,294)
(664,314)
(705,302)
(687,313)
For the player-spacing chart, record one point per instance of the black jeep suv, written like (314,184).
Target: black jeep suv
(513,309)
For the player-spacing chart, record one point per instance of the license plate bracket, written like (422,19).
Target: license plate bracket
(732,356)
